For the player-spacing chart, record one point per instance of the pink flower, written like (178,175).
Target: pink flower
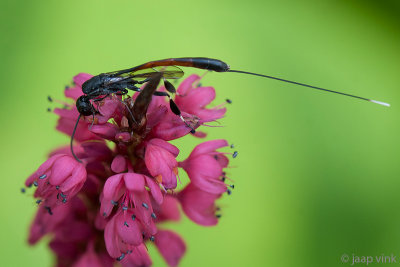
(194,100)
(199,205)
(171,246)
(137,257)
(105,210)
(204,166)
(92,259)
(58,179)
(160,161)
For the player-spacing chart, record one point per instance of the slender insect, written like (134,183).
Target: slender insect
(119,82)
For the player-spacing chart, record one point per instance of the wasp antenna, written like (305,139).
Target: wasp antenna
(72,139)
(311,86)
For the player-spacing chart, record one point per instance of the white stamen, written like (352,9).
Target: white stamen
(380,103)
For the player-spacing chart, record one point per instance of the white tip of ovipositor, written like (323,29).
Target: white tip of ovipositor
(380,103)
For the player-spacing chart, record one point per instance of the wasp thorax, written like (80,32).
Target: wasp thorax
(84,106)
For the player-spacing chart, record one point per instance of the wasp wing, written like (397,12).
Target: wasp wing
(168,72)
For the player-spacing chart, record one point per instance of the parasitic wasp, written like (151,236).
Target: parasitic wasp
(119,82)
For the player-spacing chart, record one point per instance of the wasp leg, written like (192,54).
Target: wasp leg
(144,81)
(133,87)
(174,108)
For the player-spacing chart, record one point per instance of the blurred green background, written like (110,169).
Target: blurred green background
(317,175)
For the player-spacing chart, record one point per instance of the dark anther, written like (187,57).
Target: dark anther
(223,179)
(64,200)
(192,131)
(58,196)
(235,154)
(38,201)
(153,215)
(133,217)
(104,214)
(49,98)
(62,195)
(218,215)
(57,187)
(35,183)
(124,208)
(126,224)
(49,210)
(232,146)
(66,87)
(120,258)
(229,191)
(114,203)
(232,186)
(152,238)
(216,157)
(228,101)
(42,176)
(145,206)
(48,109)
(23,190)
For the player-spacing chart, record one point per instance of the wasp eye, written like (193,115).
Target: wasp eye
(84,106)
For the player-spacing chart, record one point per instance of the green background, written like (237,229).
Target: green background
(317,174)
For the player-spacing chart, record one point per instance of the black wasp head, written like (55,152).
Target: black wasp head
(84,106)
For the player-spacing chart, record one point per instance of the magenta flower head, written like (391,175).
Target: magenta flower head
(107,206)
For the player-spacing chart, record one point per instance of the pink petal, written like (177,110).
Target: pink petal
(156,116)
(169,210)
(213,114)
(111,239)
(67,113)
(199,205)
(76,179)
(107,130)
(119,164)
(165,145)
(186,85)
(73,92)
(155,190)
(171,129)
(134,182)
(196,99)
(96,150)
(61,169)
(88,259)
(137,258)
(111,186)
(161,162)
(208,147)
(171,246)
(200,134)
(128,229)
(81,78)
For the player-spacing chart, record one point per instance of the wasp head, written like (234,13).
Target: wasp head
(84,106)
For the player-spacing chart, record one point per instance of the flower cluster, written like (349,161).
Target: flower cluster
(108,207)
